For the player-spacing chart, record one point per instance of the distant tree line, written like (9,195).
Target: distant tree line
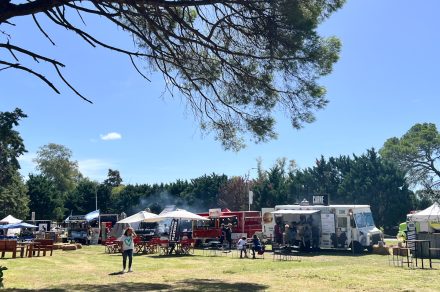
(59,189)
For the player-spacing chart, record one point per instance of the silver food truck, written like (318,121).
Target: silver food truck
(323,226)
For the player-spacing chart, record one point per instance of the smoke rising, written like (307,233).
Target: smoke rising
(158,201)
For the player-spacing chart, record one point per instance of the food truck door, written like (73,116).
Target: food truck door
(343,231)
(328,229)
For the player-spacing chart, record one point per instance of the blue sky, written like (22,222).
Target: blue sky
(385,81)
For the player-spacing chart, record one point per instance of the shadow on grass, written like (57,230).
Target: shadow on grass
(208,285)
(190,285)
(332,252)
(172,256)
(125,286)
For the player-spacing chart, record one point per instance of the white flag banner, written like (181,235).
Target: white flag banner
(251,197)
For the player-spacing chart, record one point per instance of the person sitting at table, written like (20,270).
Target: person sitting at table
(241,246)
(256,246)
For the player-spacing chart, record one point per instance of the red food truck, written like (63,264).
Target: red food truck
(244,223)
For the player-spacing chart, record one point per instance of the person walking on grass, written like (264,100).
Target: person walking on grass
(127,241)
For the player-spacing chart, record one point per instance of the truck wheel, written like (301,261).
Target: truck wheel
(356,247)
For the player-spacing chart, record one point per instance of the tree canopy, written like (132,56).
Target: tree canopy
(417,152)
(11,144)
(55,162)
(13,197)
(236,62)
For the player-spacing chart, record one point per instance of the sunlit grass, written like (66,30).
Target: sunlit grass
(92,270)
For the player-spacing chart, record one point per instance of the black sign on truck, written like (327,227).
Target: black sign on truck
(320,200)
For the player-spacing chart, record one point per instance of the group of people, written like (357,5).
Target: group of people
(127,242)
(226,234)
(303,233)
(256,246)
(242,243)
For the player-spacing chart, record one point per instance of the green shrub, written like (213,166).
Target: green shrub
(1,275)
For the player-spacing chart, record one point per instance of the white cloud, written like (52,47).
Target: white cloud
(111,136)
(95,169)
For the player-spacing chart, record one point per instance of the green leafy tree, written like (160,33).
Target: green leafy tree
(45,199)
(203,191)
(11,145)
(418,154)
(113,178)
(272,186)
(376,182)
(234,194)
(236,62)
(105,203)
(55,162)
(2,268)
(82,199)
(13,198)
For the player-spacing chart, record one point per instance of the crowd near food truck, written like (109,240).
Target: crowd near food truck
(243,223)
(320,226)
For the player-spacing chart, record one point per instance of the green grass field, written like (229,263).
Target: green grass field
(90,269)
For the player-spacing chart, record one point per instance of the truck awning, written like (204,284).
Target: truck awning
(297,212)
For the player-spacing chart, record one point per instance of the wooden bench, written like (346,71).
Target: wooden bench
(11,246)
(43,245)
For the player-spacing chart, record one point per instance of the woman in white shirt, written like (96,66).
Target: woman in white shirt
(127,248)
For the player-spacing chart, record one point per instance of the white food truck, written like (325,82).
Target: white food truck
(325,227)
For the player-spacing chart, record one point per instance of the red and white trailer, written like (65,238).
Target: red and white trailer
(244,223)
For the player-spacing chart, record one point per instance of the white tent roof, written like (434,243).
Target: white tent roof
(10,219)
(138,217)
(177,214)
(431,213)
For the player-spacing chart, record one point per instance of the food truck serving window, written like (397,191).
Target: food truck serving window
(206,223)
(364,219)
(229,219)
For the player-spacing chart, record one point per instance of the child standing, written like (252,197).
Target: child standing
(127,248)
(241,246)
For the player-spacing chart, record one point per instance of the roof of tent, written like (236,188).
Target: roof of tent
(177,214)
(138,217)
(10,219)
(17,225)
(431,213)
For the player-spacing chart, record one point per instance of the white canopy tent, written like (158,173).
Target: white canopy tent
(139,217)
(177,214)
(431,213)
(11,220)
